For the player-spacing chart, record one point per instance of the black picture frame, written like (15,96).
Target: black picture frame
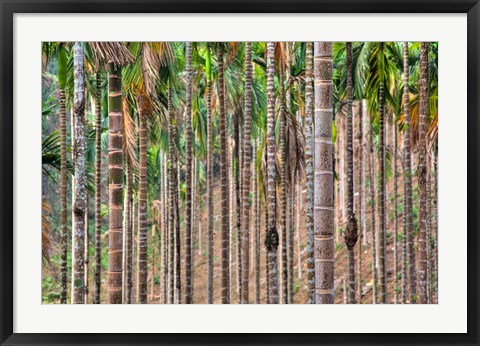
(7,175)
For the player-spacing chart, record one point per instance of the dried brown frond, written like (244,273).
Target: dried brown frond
(47,242)
(432,133)
(282,56)
(154,55)
(231,52)
(130,144)
(111,52)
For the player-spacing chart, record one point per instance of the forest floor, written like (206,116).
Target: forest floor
(300,295)
(51,273)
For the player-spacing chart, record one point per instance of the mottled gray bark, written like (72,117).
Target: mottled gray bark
(323,174)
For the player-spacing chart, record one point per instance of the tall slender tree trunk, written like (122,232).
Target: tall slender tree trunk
(271,239)
(351,230)
(209,182)
(373,212)
(165,233)
(79,190)
(246,175)
(298,209)
(152,264)
(395,213)
(63,198)
(129,231)
(359,195)
(382,269)
(404,238)
(86,252)
(142,287)
(309,157)
(290,233)
(188,178)
(178,284)
(134,225)
(323,175)
(363,167)
(408,181)
(171,198)
(224,185)
(256,223)
(115,170)
(283,190)
(98,191)
(423,296)
(435,225)
(238,205)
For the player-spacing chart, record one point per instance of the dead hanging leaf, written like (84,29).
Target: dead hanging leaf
(47,242)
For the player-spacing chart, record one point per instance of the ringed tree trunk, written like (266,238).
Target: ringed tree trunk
(373,212)
(178,284)
(98,192)
(351,232)
(309,218)
(395,213)
(283,191)
(381,198)
(423,295)
(411,274)
(224,184)
(79,190)
(323,175)
(209,179)
(359,195)
(142,287)
(115,172)
(62,62)
(129,231)
(245,252)
(271,239)
(256,222)
(172,192)
(188,178)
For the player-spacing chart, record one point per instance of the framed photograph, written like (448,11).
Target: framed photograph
(239,172)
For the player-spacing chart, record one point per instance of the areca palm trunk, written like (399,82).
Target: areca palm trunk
(115,170)
(86,252)
(283,191)
(256,224)
(178,287)
(128,231)
(234,199)
(372,214)
(309,220)
(209,181)
(381,198)
(142,287)
(271,239)
(79,190)
(351,233)
(323,175)
(165,233)
(188,179)
(63,189)
(225,228)
(395,214)
(411,274)
(171,195)
(360,209)
(246,175)
(238,201)
(423,295)
(290,240)
(98,192)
